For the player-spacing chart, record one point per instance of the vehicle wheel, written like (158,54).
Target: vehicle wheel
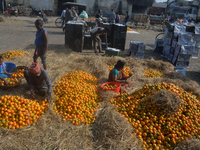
(16,15)
(58,22)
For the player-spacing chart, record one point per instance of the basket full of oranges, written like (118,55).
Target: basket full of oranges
(13,82)
(18,71)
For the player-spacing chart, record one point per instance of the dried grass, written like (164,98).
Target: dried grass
(167,100)
(193,144)
(110,130)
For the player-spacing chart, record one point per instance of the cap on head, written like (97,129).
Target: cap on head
(39,22)
(35,68)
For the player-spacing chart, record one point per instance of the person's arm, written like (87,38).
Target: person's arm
(31,84)
(6,81)
(114,78)
(45,37)
(48,82)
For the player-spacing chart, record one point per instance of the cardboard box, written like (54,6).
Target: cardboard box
(182,64)
(195,53)
(141,47)
(166,49)
(169,35)
(184,38)
(137,55)
(174,43)
(187,49)
(168,41)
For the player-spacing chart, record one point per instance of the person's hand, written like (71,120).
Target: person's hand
(126,81)
(43,55)
(6,82)
(106,45)
(33,94)
(48,98)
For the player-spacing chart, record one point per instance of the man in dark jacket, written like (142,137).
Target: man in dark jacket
(38,80)
(69,14)
(126,18)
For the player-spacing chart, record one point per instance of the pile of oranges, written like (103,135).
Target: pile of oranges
(16,112)
(77,97)
(19,73)
(153,73)
(156,128)
(12,82)
(11,54)
(109,86)
(126,70)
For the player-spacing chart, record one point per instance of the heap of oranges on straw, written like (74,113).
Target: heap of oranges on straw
(11,54)
(156,128)
(127,71)
(153,73)
(16,112)
(77,97)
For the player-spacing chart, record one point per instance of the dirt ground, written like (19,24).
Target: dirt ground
(19,33)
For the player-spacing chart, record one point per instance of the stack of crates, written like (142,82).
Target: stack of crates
(119,36)
(87,42)
(74,36)
(137,49)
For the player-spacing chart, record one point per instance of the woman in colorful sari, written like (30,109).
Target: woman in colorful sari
(117,75)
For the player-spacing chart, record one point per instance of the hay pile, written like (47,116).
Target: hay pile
(169,101)
(192,144)
(2,19)
(110,131)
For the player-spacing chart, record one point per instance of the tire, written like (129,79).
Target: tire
(58,22)
(16,15)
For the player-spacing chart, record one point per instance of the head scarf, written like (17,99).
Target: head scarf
(35,68)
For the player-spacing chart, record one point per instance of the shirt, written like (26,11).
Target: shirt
(112,16)
(127,18)
(95,31)
(63,13)
(40,82)
(39,41)
(97,15)
(115,72)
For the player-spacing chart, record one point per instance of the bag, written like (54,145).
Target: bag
(83,15)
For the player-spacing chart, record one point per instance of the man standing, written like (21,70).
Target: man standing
(126,18)
(38,80)
(63,17)
(95,32)
(69,15)
(117,20)
(112,16)
(41,43)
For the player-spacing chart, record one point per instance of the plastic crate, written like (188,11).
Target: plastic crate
(112,53)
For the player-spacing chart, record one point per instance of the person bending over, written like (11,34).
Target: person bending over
(38,81)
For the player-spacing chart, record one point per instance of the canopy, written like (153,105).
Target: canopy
(74,4)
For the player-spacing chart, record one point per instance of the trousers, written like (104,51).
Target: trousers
(96,40)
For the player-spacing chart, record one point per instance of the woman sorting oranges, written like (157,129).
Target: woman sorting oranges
(117,75)
(3,73)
